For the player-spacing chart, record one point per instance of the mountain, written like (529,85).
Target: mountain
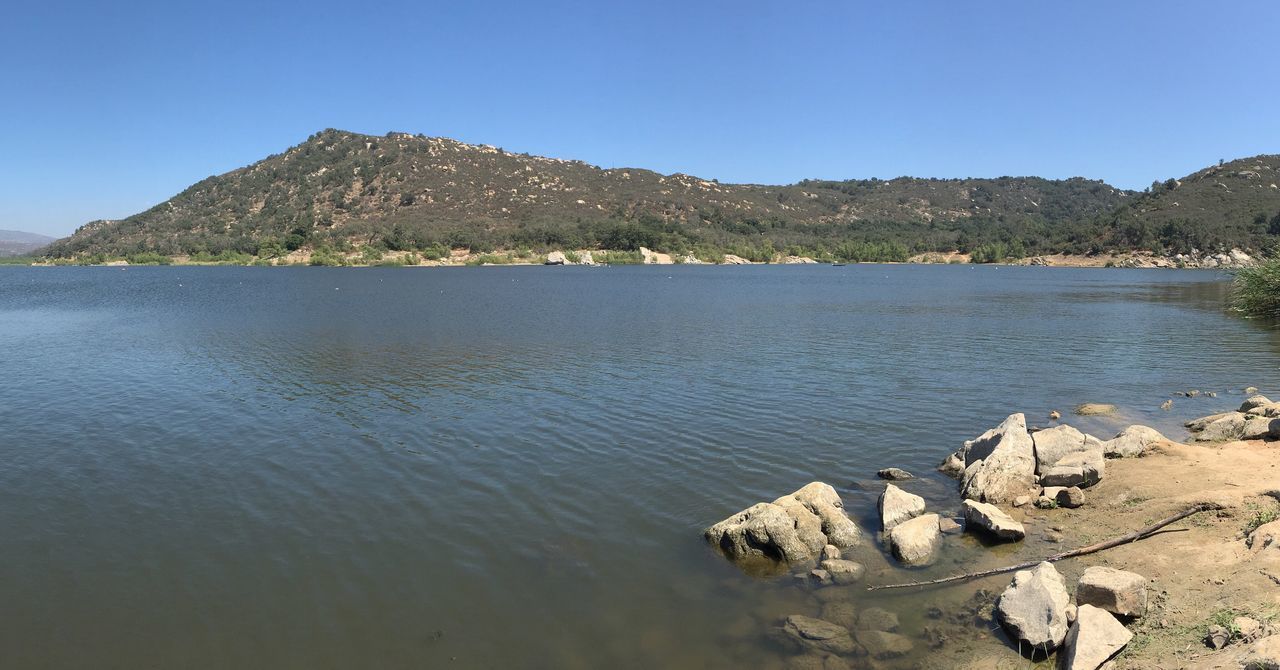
(344,191)
(16,243)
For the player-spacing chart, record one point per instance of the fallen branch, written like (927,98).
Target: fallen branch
(1126,539)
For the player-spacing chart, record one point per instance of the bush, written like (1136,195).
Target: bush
(148,258)
(1256,291)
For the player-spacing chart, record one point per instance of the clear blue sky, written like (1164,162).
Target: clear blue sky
(113,107)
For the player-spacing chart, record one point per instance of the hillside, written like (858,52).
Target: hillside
(1235,204)
(16,243)
(407,192)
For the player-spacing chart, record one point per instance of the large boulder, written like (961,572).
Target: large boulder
(1131,442)
(914,542)
(792,529)
(991,520)
(1033,609)
(1271,410)
(1000,464)
(1116,591)
(1094,638)
(1067,457)
(1260,428)
(1095,409)
(1197,425)
(1253,402)
(897,506)
(894,474)
(813,634)
(1229,427)
(1265,537)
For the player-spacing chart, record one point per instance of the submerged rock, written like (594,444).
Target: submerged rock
(882,645)
(1033,609)
(1116,591)
(1000,464)
(1094,638)
(894,474)
(913,542)
(1131,442)
(991,520)
(897,506)
(843,571)
(1095,409)
(791,529)
(818,635)
(875,618)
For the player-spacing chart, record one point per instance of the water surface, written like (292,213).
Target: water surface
(510,467)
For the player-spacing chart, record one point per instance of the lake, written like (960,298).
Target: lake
(511,466)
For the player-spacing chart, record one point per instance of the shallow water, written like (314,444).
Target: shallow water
(510,467)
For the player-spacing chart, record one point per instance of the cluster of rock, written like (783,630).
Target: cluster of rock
(561,258)
(1257,419)
(844,631)
(792,529)
(1037,611)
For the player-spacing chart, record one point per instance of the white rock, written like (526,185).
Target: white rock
(1034,608)
(914,542)
(897,506)
(1094,638)
(1131,442)
(1116,591)
(1000,464)
(991,520)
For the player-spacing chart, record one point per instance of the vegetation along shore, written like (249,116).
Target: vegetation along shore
(1138,551)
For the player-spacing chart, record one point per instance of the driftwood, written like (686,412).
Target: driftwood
(1131,537)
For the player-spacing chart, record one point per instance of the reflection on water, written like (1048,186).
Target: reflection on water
(494,467)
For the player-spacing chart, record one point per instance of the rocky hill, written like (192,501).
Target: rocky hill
(410,192)
(16,243)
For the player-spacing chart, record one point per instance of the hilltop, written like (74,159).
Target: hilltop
(344,190)
(17,243)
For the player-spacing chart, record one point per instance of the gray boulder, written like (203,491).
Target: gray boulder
(1197,425)
(1095,409)
(894,474)
(1033,609)
(883,645)
(1116,591)
(953,465)
(1061,496)
(1265,537)
(813,634)
(1229,427)
(843,571)
(792,529)
(914,542)
(1000,464)
(1271,410)
(992,521)
(1260,428)
(897,506)
(1094,638)
(1253,402)
(1068,457)
(1131,442)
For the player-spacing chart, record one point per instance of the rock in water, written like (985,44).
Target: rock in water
(897,506)
(1116,591)
(1131,442)
(818,635)
(843,571)
(1068,457)
(894,474)
(992,521)
(953,465)
(1034,608)
(882,645)
(792,529)
(913,542)
(1094,638)
(1000,464)
(1095,409)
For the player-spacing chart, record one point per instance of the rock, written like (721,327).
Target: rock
(1260,427)
(953,465)
(1197,425)
(1263,654)
(874,618)
(1055,415)
(913,542)
(1021,501)
(1067,457)
(897,506)
(585,258)
(818,635)
(843,571)
(556,258)
(820,576)
(830,552)
(840,612)
(1116,591)
(1094,638)
(1095,409)
(1166,405)
(1265,537)
(791,529)
(882,645)
(894,474)
(1061,496)
(1272,410)
(1254,401)
(948,525)
(1230,427)
(1217,637)
(1251,390)
(1249,628)
(1033,609)
(1131,442)
(1000,464)
(730,259)
(990,520)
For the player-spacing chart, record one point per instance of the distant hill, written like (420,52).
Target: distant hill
(16,243)
(413,192)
